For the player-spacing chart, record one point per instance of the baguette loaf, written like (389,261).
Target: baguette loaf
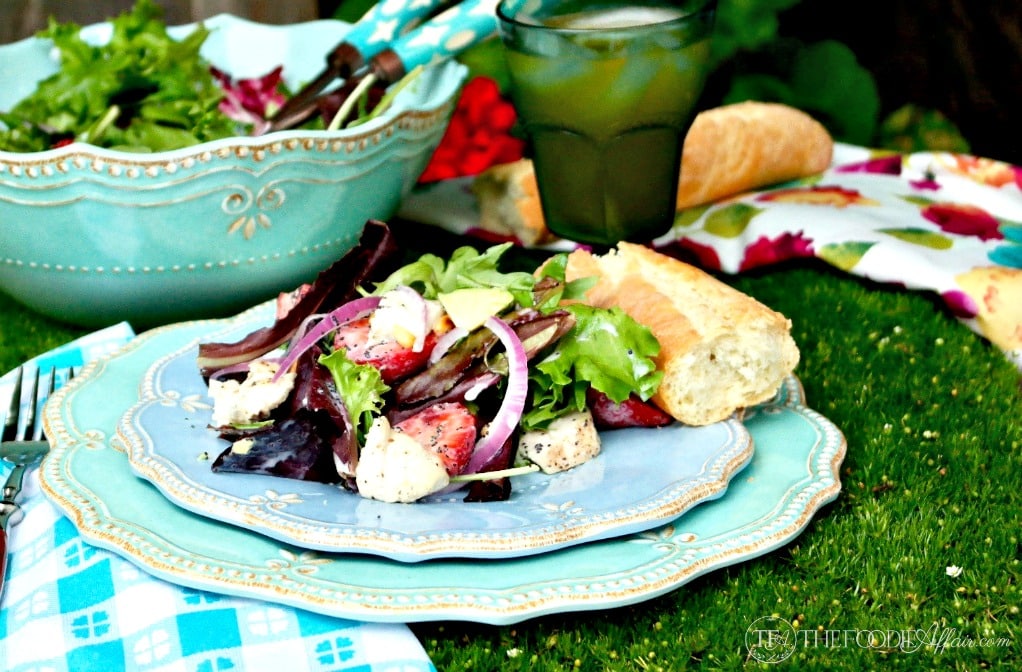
(728,150)
(721,350)
(745,146)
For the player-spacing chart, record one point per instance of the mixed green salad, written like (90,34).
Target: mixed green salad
(141,90)
(398,383)
(145,91)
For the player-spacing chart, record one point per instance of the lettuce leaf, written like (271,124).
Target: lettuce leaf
(431,275)
(360,386)
(556,268)
(607,350)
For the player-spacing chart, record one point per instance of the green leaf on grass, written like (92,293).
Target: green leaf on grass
(690,216)
(731,220)
(920,237)
(844,255)
(921,201)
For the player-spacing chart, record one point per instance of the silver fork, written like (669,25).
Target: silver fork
(23,445)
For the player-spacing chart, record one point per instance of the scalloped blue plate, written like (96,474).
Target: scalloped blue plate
(793,473)
(641,478)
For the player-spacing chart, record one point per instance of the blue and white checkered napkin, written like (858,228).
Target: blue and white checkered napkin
(71,607)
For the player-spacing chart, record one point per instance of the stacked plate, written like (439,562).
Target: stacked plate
(657,508)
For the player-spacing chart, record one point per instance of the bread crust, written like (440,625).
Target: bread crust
(740,147)
(728,150)
(721,350)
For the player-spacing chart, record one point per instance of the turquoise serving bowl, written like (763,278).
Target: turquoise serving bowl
(93,236)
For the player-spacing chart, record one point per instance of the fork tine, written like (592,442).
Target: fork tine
(36,392)
(28,422)
(40,398)
(10,429)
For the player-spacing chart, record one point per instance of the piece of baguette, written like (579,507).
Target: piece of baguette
(509,205)
(721,350)
(737,148)
(728,150)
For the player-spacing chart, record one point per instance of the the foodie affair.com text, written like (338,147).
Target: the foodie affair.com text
(772,639)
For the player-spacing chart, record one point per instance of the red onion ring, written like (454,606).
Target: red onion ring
(482,384)
(330,322)
(444,343)
(511,406)
(240,367)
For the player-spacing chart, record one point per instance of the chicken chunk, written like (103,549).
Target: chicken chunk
(251,400)
(568,442)
(393,467)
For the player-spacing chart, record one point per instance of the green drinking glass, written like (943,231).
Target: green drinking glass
(606,92)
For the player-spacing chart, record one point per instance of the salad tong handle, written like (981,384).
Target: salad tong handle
(442,37)
(372,33)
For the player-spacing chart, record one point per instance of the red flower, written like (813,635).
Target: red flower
(832,195)
(766,251)
(960,303)
(965,220)
(478,136)
(927,183)
(885,165)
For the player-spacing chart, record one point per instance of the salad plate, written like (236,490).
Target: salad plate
(642,478)
(793,473)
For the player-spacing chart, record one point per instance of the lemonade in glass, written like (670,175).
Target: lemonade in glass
(606,92)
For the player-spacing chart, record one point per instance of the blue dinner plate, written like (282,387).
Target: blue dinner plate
(641,479)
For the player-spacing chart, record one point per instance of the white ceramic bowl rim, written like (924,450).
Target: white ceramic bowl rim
(412,106)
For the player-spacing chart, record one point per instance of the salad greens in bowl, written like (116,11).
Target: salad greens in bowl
(151,194)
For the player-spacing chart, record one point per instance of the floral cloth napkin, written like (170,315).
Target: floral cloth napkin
(71,607)
(949,224)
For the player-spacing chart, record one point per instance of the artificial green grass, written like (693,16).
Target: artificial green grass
(932,480)
(25,334)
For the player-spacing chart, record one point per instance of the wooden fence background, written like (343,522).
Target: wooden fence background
(21,18)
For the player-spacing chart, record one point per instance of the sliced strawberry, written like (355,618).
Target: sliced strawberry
(394,361)
(448,428)
(632,412)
